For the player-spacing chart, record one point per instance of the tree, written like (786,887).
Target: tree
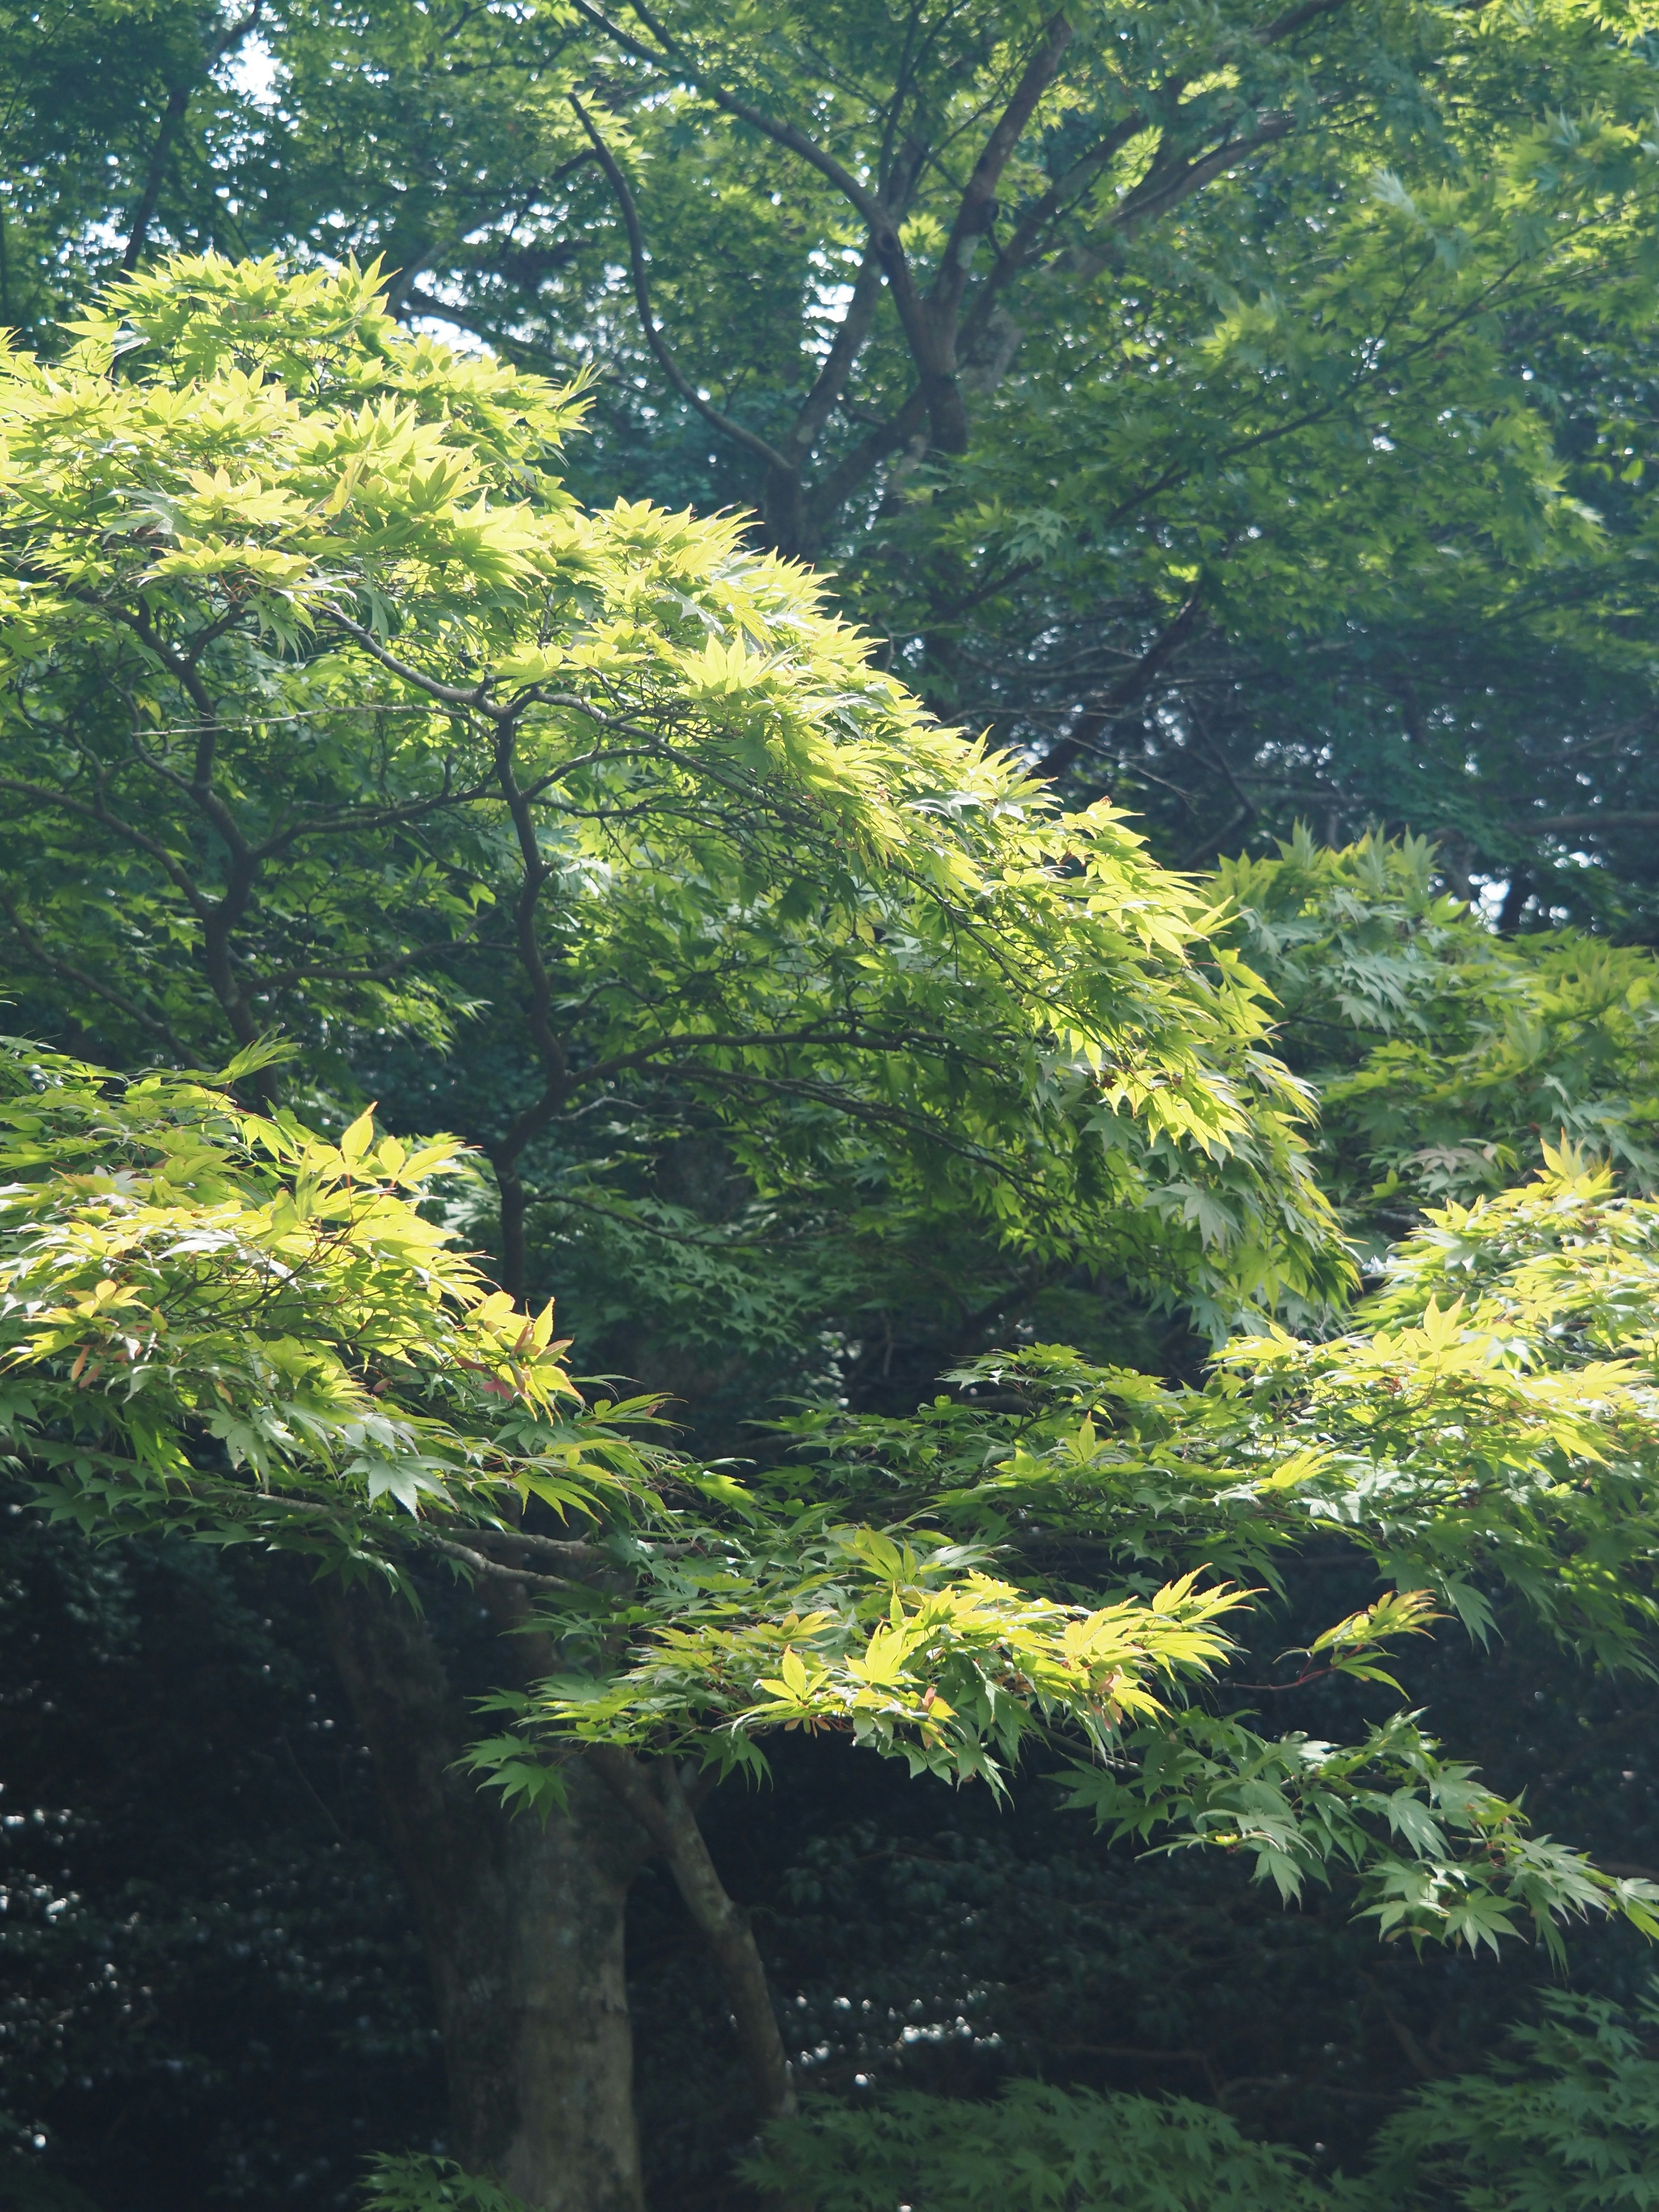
(349,731)
(357,715)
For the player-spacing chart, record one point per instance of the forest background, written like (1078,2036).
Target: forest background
(1247,416)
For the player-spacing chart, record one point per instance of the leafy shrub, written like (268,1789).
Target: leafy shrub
(1037,2149)
(1566,2119)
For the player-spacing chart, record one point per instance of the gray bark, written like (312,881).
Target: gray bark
(522,1925)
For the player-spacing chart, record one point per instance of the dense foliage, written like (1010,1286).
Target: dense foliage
(331,708)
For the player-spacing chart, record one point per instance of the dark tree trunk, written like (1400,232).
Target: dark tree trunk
(522,1925)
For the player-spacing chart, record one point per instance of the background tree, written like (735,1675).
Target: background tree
(1243,410)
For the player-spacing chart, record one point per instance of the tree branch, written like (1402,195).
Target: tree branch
(173,117)
(70,971)
(976,210)
(869,204)
(830,382)
(475,1563)
(750,439)
(665,1814)
(1085,732)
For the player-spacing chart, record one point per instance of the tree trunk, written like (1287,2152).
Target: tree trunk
(522,1925)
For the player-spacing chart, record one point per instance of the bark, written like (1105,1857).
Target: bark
(1516,899)
(522,1926)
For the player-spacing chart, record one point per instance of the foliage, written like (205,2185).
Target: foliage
(221,1325)
(1468,1445)
(1564,2118)
(1561,2120)
(414,2183)
(1444,1056)
(1245,408)
(328,709)
(1036,2147)
(218,1323)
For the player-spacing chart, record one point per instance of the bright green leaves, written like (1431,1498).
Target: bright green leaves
(1351,1647)
(1443,1445)
(911,1649)
(215,1320)
(946,1667)
(610,801)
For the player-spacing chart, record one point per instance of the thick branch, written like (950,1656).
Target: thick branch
(1031,233)
(550,1048)
(172,118)
(977,209)
(830,382)
(667,1816)
(848,473)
